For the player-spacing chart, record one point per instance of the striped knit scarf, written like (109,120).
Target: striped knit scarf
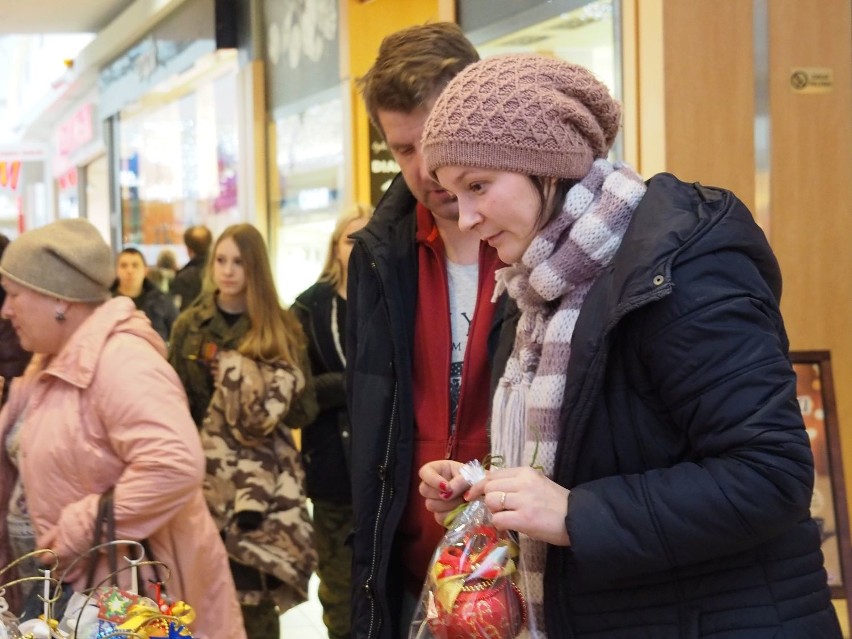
(549,285)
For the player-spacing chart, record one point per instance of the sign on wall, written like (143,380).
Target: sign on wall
(815,392)
(302,46)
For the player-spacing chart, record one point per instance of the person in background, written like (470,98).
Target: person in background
(419,313)
(656,464)
(99,409)
(163,272)
(326,444)
(13,362)
(131,281)
(186,285)
(243,361)
(13,358)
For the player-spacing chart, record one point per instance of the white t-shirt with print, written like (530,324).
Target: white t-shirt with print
(462,282)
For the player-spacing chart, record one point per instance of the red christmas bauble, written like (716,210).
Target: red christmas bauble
(485,608)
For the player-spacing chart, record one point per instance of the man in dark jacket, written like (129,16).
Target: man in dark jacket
(419,316)
(186,285)
(132,282)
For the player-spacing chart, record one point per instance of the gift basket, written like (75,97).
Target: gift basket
(470,590)
(99,612)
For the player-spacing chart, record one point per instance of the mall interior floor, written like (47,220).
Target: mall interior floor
(305,620)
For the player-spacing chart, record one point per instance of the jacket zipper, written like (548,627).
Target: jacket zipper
(451,443)
(383,495)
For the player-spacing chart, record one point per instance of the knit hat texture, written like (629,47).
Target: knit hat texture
(523,113)
(67,259)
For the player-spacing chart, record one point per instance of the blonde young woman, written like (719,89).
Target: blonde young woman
(326,444)
(242,359)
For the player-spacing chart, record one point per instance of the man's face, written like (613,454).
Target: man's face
(130,271)
(402,133)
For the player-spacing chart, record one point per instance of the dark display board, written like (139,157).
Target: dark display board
(815,392)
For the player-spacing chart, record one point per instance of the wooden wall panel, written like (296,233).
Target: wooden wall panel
(709,93)
(692,63)
(368,23)
(811,189)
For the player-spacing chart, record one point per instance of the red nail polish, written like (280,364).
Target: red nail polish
(446,494)
(443,487)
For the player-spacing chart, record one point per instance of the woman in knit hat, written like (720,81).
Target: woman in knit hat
(655,463)
(100,409)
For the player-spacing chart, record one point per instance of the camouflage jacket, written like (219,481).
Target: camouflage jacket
(201,331)
(253,466)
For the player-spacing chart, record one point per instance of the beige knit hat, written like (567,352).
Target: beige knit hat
(67,259)
(523,113)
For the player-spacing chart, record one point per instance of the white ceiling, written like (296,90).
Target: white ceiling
(58,16)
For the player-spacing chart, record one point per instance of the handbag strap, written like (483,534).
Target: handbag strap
(150,555)
(104,533)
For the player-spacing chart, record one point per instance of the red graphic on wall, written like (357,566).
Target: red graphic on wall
(9,174)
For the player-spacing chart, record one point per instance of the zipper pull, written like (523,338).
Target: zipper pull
(451,446)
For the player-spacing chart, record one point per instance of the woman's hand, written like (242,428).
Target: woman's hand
(442,487)
(523,499)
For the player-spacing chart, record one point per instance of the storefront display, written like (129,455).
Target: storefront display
(23,199)
(307,137)
(309,163)
(172,106)
(178,161)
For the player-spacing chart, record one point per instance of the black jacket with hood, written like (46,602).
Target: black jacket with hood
(326,442)
(381,302)
(682,442)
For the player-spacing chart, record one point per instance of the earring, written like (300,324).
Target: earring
(59,316)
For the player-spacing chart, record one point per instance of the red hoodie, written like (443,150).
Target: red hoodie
(418,533)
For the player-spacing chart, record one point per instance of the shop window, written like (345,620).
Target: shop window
(307,189)
(178,153)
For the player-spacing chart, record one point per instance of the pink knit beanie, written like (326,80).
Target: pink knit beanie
(523,113)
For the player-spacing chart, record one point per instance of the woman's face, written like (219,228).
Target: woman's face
(228,271)
(502,208)
(344,244)
(33,316)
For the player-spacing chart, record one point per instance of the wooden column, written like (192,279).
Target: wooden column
(690,67)
(811,190)
(368,23)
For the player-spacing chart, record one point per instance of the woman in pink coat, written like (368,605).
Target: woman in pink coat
(101,408)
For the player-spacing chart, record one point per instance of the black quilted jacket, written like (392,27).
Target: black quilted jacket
(682,443)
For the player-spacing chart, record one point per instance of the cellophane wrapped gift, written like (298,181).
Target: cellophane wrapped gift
(470,590)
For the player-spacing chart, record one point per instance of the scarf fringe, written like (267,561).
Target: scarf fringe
(510,407)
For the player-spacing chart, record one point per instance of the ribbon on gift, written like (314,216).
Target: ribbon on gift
(145,619)
(482,555)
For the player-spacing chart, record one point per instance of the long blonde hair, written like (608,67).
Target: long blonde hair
(333,270)
(274,335)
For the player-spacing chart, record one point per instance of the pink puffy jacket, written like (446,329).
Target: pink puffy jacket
(109,411)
